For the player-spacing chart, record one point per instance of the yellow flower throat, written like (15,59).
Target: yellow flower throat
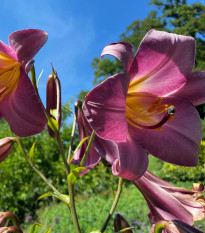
(9,74)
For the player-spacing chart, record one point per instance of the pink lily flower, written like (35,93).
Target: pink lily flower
(149,107)
(19,103)
(167,202)
(109,150)
(177,226)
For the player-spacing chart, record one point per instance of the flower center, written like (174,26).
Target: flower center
(144,113)
(9,74)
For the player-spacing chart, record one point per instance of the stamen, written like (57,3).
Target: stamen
(170,111)
(154,105)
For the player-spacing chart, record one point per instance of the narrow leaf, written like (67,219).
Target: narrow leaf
(31,152)
(79,145)
(74,174)
(53,124)
(35,227)
(39,78)
(49,230)
(54,113)
(49,194)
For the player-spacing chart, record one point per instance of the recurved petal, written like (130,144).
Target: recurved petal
(122,51)
(104,108)
(23,110)
(178,141)
(7,50)
(161,63)
(194,88)
(162,204)
(26,43)
(132,162)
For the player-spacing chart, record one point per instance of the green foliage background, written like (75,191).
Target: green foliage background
(20,186)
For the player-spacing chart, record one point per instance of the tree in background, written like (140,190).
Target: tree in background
(172,16)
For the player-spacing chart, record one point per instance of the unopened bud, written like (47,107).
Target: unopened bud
(174,226)
(11,229)
(120,223)
(6,147)
(53,99)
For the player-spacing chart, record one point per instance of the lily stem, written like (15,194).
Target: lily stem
(70,187)
(92,136)
(60,146)
(38,172)
(73,209)
(114,204)
(72,134)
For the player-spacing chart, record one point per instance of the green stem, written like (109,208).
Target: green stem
(72,133)
(73,209)
(114,204)
(92,136)
(63,153)
(70,188)
(38,172)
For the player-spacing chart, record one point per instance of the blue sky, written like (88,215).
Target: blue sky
(77,31)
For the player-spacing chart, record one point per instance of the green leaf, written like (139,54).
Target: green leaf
(79,145)
(98,231)
(35,227)
(31,152)
(49,194)
(66,108)
(53,124)
(49,230)
(39,78)
(74,174)
(54,113)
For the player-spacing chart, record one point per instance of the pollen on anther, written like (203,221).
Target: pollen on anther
(171,110)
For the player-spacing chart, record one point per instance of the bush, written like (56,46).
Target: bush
(20,185)
(175,173)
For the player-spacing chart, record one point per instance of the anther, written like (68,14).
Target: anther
(171,110)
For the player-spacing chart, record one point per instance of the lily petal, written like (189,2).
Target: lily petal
(167,206)
(122,51)
(161,63)
(194,88)
(27,43)
(132,162)
(104,108)
(7,50)
(178,141)
(22,109)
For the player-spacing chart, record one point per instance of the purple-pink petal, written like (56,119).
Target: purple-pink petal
(26,43)
(132,162)
(122,51)
(7,50)
(161,62)
(23,110)
(161,203)
(194,89)
(104,108)
(178,141)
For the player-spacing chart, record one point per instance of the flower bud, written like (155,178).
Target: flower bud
(6,146)
(53,99)
(11,229)
(4,216)
(175,226)
(120,223)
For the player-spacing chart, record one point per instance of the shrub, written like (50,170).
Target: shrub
(175,173)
